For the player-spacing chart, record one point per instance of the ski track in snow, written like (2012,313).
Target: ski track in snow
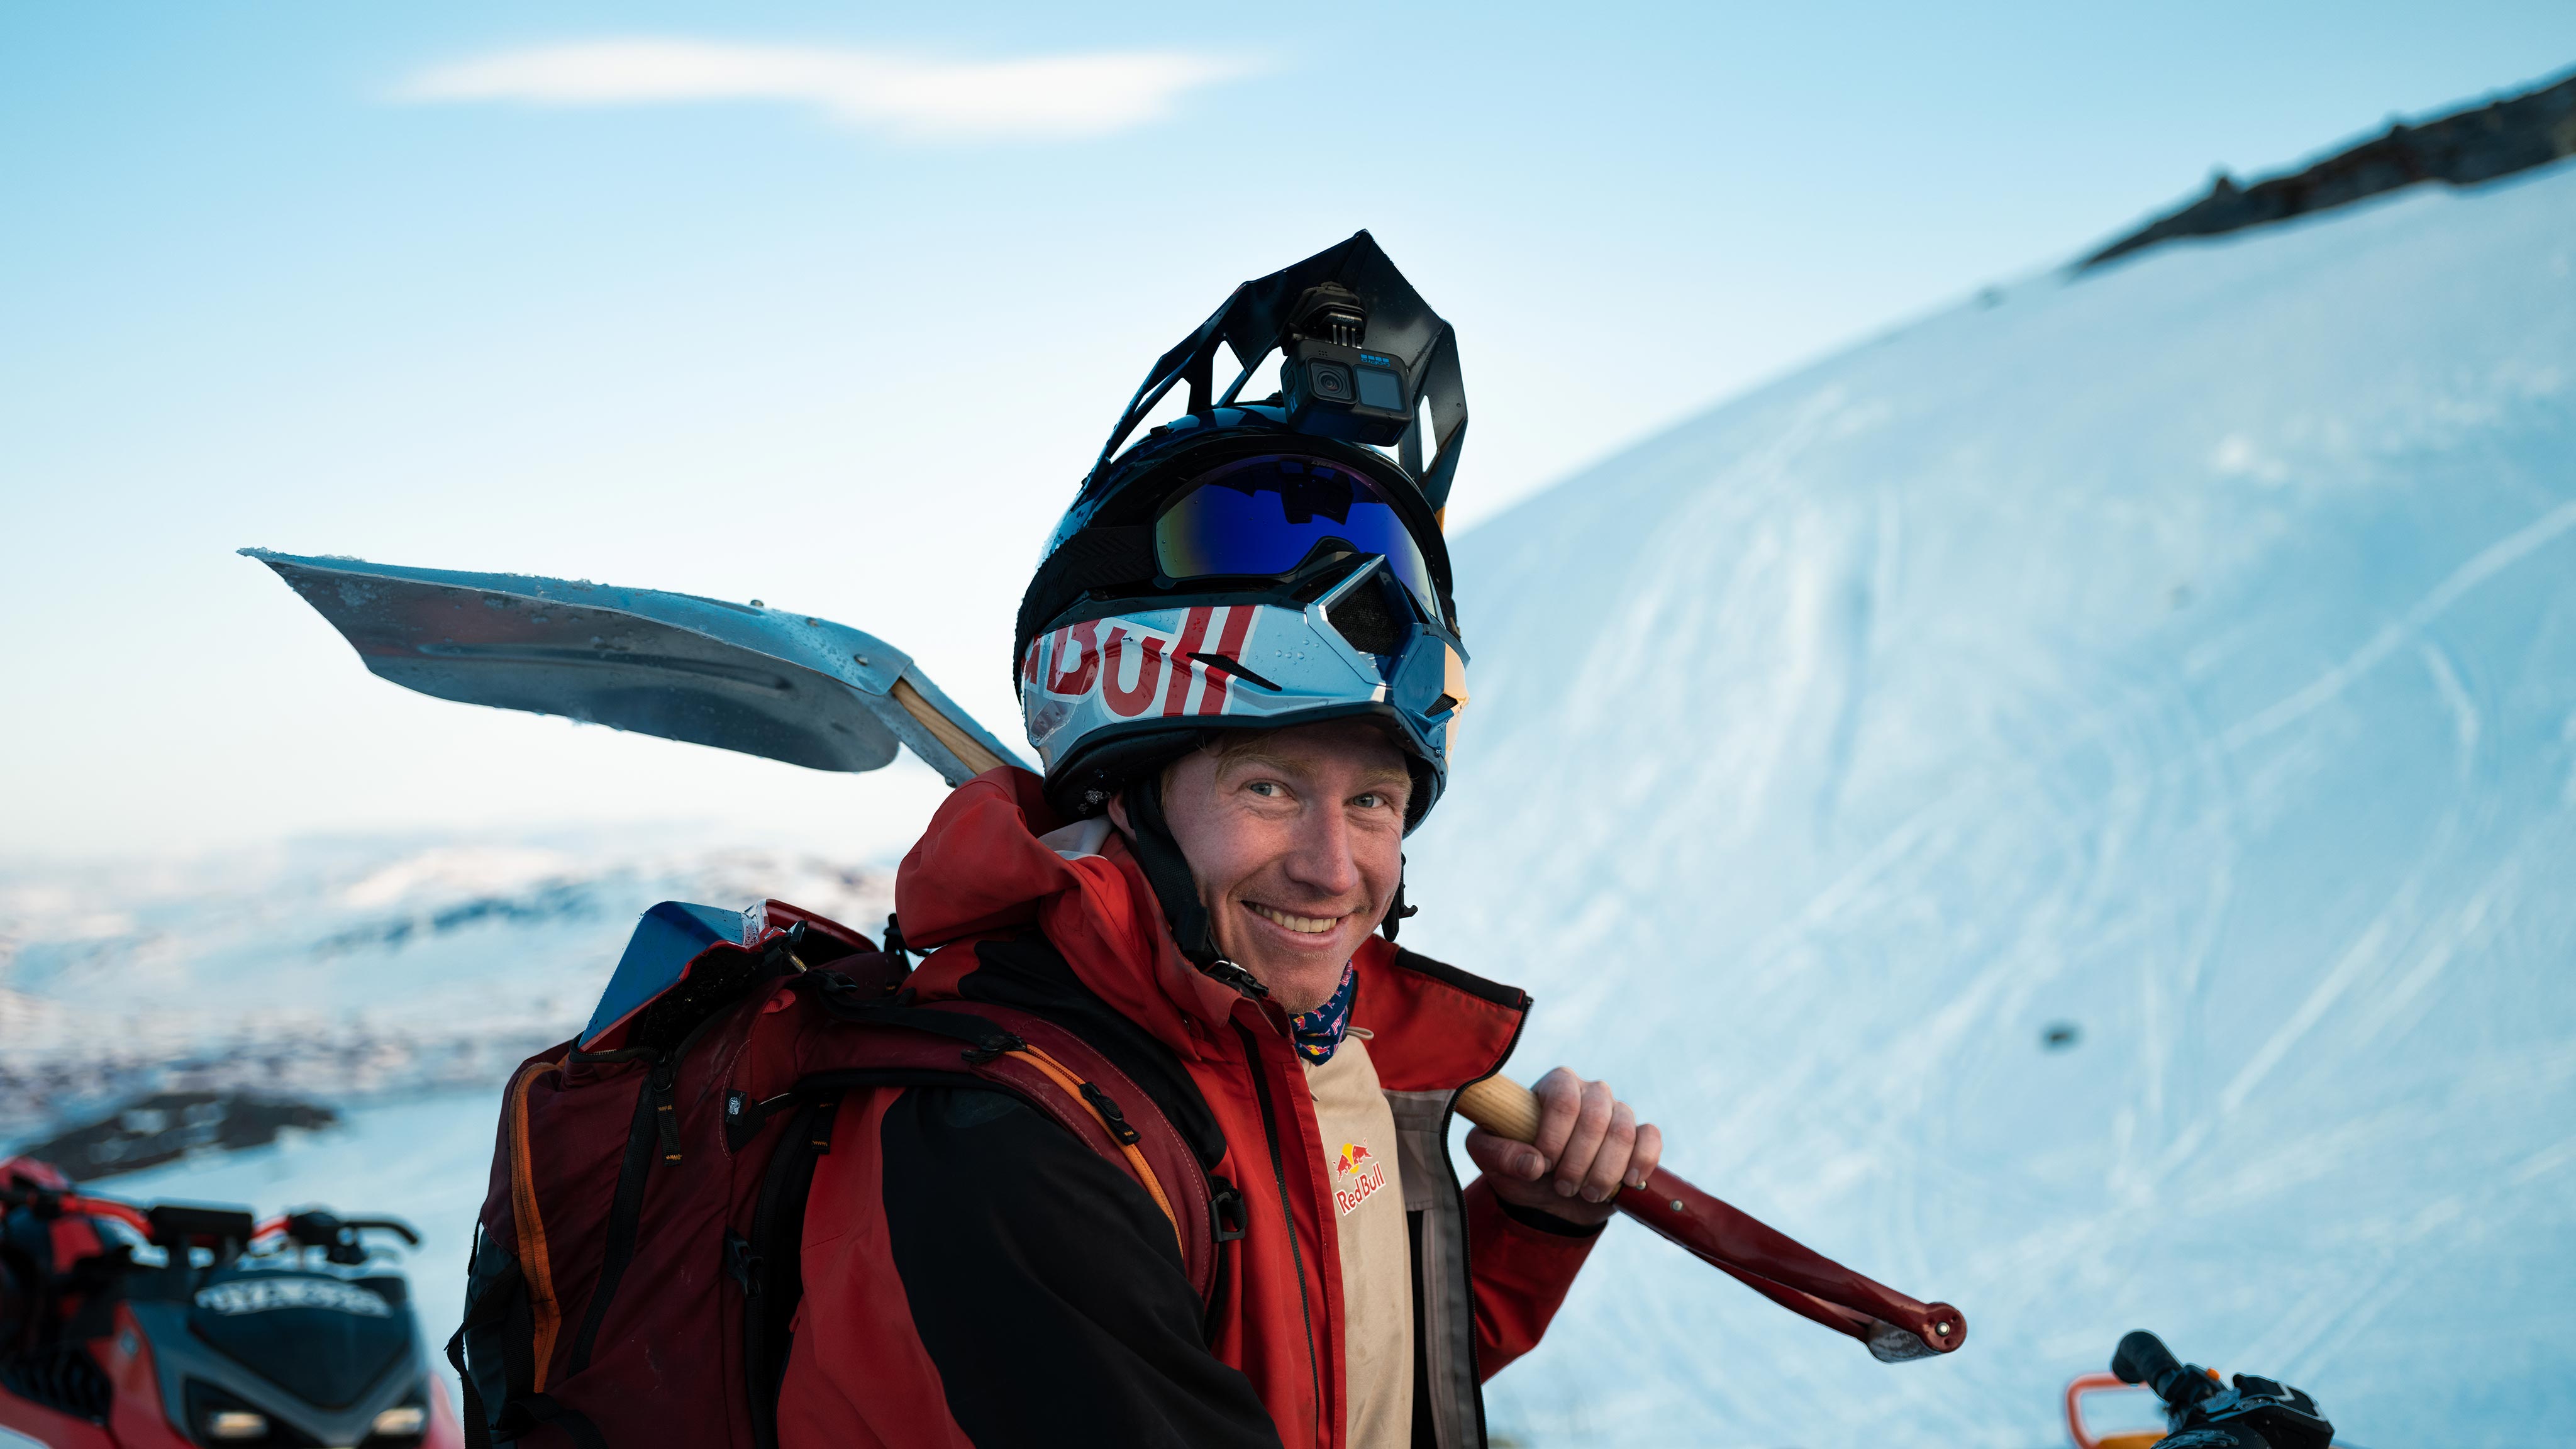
(2187,652)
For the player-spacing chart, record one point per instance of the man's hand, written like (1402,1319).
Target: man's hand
(1589,1144)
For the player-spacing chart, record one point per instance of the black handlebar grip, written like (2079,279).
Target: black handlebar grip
(2142,1358)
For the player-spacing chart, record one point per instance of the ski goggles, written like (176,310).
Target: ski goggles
(1265,517)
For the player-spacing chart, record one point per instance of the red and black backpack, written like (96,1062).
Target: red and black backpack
(635,1275)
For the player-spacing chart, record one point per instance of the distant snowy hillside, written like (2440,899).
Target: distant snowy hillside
(344,968)
(2186,653)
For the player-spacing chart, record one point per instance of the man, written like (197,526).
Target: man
(1240,664)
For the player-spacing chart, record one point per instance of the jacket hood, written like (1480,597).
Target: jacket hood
(981,870)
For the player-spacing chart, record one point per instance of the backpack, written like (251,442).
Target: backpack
(634,1275)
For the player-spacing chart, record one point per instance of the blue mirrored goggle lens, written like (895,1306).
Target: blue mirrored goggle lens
(1263,517)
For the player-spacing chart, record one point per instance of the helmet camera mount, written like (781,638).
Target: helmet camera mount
(1361,354)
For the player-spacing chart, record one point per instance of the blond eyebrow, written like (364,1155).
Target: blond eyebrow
(1257,757)
(1254,757)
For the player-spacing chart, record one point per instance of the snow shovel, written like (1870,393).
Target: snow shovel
(792,687)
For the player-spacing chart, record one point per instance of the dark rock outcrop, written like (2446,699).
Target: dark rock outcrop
(2460,149)
(168,1125)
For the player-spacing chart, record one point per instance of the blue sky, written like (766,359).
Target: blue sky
(830,305)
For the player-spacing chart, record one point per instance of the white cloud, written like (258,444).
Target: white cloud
(1040,97)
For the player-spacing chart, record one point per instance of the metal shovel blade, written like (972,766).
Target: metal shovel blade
(759,681)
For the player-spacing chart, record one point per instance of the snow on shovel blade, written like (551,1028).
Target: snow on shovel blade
(759,681)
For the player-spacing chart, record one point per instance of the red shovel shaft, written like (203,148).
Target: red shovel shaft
(1771,1263)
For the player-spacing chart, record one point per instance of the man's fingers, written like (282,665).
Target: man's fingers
(1560,1099)
(1504,1157)
(1591,1127)
(1589,1141)
(1646,1156)
(1610,1165)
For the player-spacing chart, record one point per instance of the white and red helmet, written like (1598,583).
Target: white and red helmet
(1261,565)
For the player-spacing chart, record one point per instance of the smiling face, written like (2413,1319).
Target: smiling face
(1297,839)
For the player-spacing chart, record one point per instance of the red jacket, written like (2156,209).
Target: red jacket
(973,1276)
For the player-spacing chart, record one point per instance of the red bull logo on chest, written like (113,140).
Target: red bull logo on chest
(1357,1176)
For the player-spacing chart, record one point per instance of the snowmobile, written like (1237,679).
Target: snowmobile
(180,1325)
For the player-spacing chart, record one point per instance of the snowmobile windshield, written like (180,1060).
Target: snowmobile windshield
(1264,517)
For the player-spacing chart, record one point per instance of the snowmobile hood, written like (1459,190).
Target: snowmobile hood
(761,681)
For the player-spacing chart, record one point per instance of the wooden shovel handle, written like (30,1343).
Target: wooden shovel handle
(947,731)
(1769,1262)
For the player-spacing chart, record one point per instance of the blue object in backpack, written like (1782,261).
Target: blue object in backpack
(668,938)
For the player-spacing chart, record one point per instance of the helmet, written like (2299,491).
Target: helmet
(1256,565)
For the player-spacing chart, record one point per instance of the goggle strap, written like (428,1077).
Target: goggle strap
(1095,558)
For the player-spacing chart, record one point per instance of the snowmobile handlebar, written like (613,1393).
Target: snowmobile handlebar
(396,1226)
(2201,1410)
(340,1239)
(1769,1262)
(175,1225)
(48,1203)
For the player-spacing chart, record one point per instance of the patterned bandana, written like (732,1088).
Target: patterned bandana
(1320,1031)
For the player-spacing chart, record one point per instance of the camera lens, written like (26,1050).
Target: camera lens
(1330,381)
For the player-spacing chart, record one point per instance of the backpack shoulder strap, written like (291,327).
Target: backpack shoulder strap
(1149,1147)
(948,1044)
(1044,1064)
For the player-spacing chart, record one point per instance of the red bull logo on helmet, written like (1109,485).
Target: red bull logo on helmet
(1136,670)
(1357,1176)
(1190,667)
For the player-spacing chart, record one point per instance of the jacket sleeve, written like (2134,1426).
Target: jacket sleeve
(1046,1285)
(1523,1263)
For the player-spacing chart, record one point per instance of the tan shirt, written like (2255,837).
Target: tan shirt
(1377,1270)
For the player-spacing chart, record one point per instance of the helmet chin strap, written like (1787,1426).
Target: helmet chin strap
(1168,872)
(1397,912)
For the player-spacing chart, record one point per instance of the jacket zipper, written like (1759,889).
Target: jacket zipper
(1287,1214)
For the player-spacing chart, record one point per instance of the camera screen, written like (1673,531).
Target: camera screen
(1380,388)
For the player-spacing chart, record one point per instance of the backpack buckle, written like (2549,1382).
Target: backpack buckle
(1225,1210)
(741,1264)
(1102,1103)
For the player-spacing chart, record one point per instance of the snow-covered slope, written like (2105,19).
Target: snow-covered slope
(2186,653)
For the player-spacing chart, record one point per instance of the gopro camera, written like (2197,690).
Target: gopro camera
(1331,386)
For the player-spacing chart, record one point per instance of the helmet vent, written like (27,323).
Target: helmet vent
(1362,618)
